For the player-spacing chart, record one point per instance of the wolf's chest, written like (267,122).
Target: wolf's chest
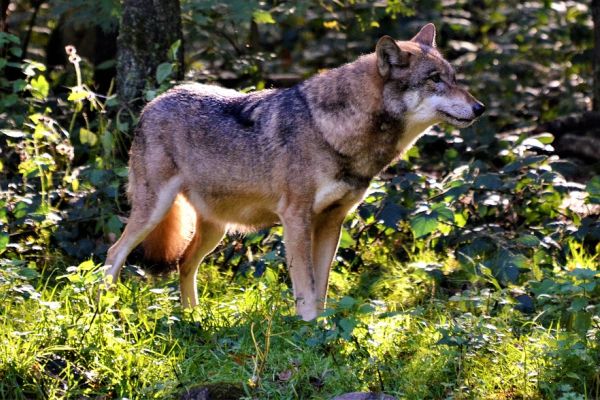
(337,193)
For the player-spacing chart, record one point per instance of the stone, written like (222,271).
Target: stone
(364,396)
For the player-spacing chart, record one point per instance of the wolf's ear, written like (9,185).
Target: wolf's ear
(426,35)
(389,54)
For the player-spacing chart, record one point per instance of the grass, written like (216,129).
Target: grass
(413,339)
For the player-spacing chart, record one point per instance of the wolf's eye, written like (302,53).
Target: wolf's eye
(435,77)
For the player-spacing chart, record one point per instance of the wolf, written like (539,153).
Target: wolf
(206,160)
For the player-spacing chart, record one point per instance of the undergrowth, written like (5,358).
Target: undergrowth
(58,341)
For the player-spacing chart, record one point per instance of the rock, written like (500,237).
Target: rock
(215,391)
(364,396)
(196,394)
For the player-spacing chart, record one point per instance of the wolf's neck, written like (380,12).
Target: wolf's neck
(347,107)
(411,133)
(343,101)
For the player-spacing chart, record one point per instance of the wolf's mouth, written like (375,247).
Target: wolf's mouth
(455,118)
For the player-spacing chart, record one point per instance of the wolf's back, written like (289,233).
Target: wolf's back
(219,141)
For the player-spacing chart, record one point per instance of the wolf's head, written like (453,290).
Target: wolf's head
(420,85)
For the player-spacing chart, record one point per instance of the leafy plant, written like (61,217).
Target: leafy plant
(470,270)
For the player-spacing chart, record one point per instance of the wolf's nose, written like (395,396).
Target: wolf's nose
(478,109)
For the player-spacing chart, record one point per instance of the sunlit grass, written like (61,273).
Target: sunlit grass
(398,333)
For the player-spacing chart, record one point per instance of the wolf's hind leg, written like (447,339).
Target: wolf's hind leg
(207,237)
(326,236)
(146,214)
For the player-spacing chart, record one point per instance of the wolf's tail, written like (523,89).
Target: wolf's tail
(166,244)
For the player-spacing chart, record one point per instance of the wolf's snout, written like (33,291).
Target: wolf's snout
(478,109)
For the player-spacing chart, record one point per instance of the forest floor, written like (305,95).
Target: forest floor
(390,327)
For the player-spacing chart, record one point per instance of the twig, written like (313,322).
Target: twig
(231,41)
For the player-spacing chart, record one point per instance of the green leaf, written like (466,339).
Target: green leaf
(4,239)
(163,71)
(87,265)
(366,309)
(451,154)
(328,312)
(518,164)
(98,177)
(87,137)
(450,339)
(455,192)
(107,142)
(532,143)
(525,304)
(488,274)
(123,172)
(78,93)
(413,152)
(122,126)
(441,212)
(583,273)
(174,49)
(346,302)
(588,286)
(114,224)
(106,64)
(262,17)
(578,304)
(545,138)
(593,189)
(16,51)
(19,85)
(423,224)
(8,38)
(528,240)
(9,100)
(346,239)
(347,325)
(391,214)
(21,209)
(40,87)
(28,168)
(581,322)
(31,66)
(488,181)
(112,101)
(13,133)
(150,94)
(28,273)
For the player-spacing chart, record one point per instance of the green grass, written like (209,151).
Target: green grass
(414,338)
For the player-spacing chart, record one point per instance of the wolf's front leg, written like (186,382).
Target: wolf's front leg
(326,237)
(297,235)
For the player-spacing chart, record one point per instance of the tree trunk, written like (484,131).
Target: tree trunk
(596,54)
(3,15)
(148,29)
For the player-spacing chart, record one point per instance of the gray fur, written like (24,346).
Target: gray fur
(303,156)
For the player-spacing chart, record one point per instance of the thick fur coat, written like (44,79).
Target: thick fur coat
(206,159)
